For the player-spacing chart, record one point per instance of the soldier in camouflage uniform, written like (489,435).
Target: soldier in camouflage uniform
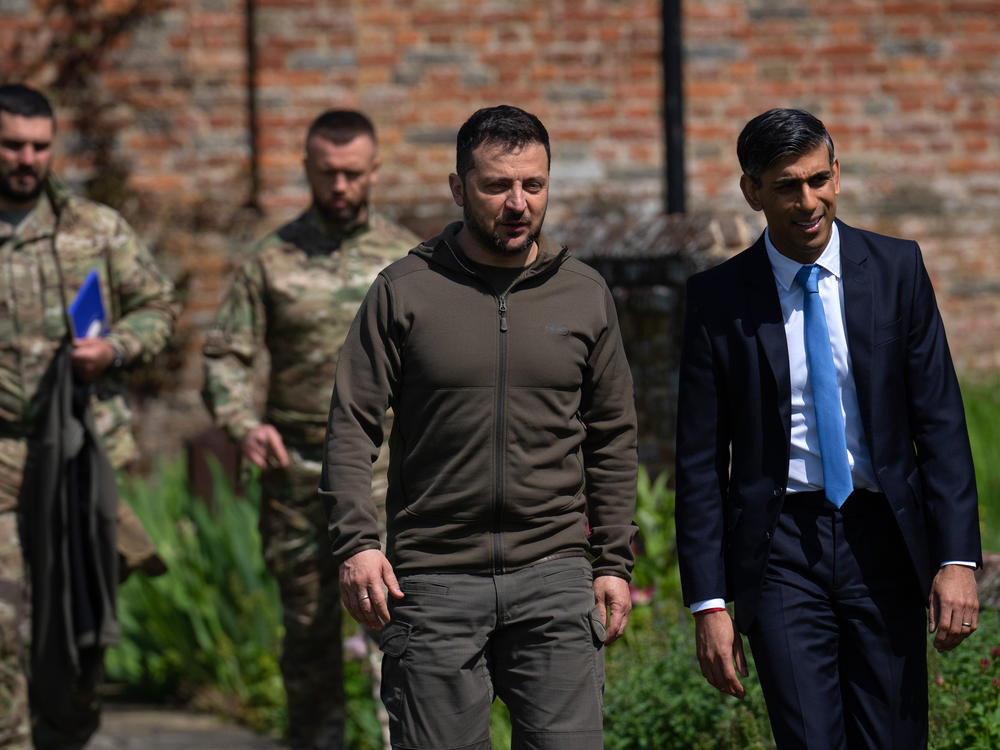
(49,242)
(296,297)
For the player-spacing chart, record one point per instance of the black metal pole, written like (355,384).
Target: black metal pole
(252,127)
(673,106)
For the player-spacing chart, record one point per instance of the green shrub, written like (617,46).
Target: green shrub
(656,579)
(210,631)
(361,730)
(210,628)
(982,411)
(964,691)
(656,698)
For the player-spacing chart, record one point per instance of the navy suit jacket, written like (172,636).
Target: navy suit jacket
(734,416)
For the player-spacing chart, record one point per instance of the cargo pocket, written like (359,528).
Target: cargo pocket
(597,628)
(599,633)
(395,638)
(393,642)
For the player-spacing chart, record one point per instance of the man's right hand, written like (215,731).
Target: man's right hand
(361,578)
(719,646)
(264,447)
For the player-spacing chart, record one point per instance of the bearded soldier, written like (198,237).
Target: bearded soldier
(295,298)
(50,242)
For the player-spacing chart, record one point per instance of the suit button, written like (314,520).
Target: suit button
(778,491)
(768,534)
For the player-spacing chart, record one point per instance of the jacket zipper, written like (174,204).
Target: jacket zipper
(501,414)
(501,421)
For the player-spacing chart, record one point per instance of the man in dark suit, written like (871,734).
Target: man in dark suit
(824,477)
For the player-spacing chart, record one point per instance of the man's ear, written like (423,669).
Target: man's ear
(457,189)
(750,188)
(376,163)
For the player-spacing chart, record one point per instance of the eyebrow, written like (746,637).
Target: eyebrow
(788,181)
(40,144)
(506,179)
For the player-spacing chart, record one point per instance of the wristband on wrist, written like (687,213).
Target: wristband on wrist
(706,611)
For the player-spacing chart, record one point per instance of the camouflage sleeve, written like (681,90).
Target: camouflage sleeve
(231,344)
(143,303)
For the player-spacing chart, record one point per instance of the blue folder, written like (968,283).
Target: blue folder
(86,312)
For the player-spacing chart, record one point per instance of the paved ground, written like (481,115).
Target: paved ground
(154,728)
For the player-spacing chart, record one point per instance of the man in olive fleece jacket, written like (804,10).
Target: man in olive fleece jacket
(512,464)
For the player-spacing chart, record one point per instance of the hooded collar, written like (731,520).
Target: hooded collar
(444,250)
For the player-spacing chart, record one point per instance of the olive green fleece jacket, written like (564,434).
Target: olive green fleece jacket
(514,431)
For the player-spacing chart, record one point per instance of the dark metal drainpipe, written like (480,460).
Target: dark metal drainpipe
(252,126)
(673,105)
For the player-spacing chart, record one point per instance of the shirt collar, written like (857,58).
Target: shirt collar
(784,268)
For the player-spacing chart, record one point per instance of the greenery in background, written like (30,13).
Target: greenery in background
(209,630)
(362,730)
(982,411)
(965,691)
(655,697)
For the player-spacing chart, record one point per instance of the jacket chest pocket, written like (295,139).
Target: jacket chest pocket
(33,294)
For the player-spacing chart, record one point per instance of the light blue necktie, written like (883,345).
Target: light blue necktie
(826,394)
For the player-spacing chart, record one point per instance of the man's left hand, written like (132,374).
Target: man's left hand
(954,606)
(90,358)
(615,602)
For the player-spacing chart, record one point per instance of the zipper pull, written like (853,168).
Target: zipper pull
(503,314)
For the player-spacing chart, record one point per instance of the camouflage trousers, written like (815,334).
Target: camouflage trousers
(293,529)
(15,637)
(70,724)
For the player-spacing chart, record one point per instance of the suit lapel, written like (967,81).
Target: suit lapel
(765,310)
(859,315)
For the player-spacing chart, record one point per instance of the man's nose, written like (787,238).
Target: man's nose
(340,182)
(515,200)
(27,155)
(807,199)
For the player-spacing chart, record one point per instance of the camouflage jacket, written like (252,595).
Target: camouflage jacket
(43,263)
(295,298)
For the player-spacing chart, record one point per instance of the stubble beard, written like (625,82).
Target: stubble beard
(344,219)
(492,242)
(15,195)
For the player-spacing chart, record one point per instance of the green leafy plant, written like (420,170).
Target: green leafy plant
(362,730)
(656,579)
(982,412)
(656,698)
(964,691)
(209,630)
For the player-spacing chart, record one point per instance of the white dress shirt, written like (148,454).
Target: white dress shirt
(805,467)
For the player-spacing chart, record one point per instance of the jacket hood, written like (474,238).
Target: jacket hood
(444,250)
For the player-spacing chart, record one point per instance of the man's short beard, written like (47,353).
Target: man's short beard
(340,220)
(8,193)
(492,242)
(496,246)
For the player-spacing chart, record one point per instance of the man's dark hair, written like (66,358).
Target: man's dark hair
(341,126)
(24,101)
(506,126)
(778,133)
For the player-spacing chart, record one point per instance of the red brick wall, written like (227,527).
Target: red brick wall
(910,92)
(154,108)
